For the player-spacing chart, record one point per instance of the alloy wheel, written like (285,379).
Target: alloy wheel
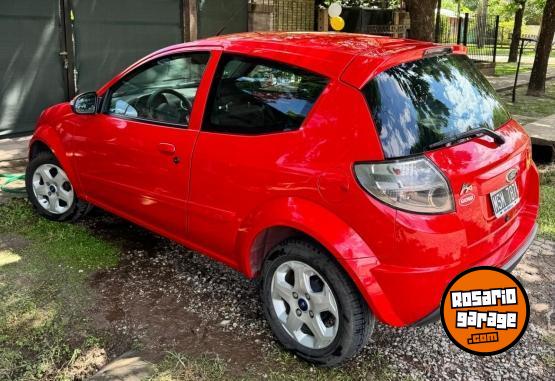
(304,304)
(52,189)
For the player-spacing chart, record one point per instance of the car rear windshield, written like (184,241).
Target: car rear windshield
(422,102)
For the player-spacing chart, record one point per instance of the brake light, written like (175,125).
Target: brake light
(529,153)
(414,185)
(437,51)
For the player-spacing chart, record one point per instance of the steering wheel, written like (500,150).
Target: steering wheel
(151,105)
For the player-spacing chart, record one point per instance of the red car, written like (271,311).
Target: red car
(354,175)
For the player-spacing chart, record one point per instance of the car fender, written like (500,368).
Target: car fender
(335,235)
(50,136)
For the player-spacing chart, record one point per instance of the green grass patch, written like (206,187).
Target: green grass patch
(44,334)
(527,52)
(285,366)
(66,243)
(547,204)
(509,68)
(532,107)
(278,365)
(177,366)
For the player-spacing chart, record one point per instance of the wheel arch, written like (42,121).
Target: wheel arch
(37,147)
(294,217)
(289,217)
(46,139)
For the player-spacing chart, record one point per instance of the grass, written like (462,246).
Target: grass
(549,359)
(278,365)
(68,244)
(531,107)
(547,209)
(509,68)
(527,52)
(177,366)
(43,295)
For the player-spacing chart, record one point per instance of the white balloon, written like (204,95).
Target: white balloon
(334,9)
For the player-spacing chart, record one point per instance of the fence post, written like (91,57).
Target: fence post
(192,20)
(438,21)
(68,53)
(513,98)
(496,34)
(465,30)
(316,14)
(459,26)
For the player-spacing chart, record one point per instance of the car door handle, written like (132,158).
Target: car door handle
(166,148)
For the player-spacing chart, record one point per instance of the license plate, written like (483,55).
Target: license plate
(504,199)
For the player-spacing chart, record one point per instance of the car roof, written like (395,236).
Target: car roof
(327,53)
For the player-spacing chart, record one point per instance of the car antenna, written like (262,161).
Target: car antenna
(230,18)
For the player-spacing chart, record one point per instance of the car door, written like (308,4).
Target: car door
(134,156)
(249,147)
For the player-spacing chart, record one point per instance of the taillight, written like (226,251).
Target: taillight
(415,185)
(529,153)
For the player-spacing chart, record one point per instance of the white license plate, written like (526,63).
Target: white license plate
(504,199)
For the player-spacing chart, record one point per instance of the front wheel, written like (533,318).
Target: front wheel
(313,308)
(50,190)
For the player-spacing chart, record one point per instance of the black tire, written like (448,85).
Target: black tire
(77,209)
(356,322)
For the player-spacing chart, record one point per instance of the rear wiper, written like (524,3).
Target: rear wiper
(498,139)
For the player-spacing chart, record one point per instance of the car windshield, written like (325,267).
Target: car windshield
(422,102)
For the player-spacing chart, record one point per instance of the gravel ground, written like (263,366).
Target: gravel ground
(163,297)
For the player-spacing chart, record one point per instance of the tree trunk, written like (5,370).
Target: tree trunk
(481,23)
(543,48)
(421,19)
(519,15)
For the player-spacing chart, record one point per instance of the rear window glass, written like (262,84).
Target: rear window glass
(422,102)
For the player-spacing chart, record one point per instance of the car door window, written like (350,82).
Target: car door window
(252,96)
(161,91)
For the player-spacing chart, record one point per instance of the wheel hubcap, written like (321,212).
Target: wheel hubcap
(52,188)
(304,304)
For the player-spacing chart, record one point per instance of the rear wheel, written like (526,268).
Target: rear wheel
(50,190)
(313,308)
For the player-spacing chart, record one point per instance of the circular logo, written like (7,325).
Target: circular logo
(485,310)
(467,199)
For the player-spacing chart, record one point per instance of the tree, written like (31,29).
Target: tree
(534,10)
(517,28)
(543,49)
(422,19)
(481,16)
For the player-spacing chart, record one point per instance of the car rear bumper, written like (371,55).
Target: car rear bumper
(407,295)
(508,266)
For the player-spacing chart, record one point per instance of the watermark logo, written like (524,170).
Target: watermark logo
(485,311)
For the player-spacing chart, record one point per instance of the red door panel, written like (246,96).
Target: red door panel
(232,175)
(140,168)
(137,168)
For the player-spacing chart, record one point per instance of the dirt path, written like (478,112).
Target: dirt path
(163,297)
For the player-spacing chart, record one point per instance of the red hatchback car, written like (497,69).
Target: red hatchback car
(355,175)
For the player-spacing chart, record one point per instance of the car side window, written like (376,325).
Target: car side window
(161,91)
(252,96)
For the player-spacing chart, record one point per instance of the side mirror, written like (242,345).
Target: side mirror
(85,103)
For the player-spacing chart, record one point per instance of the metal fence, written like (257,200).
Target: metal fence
(281,15)
(479,34)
